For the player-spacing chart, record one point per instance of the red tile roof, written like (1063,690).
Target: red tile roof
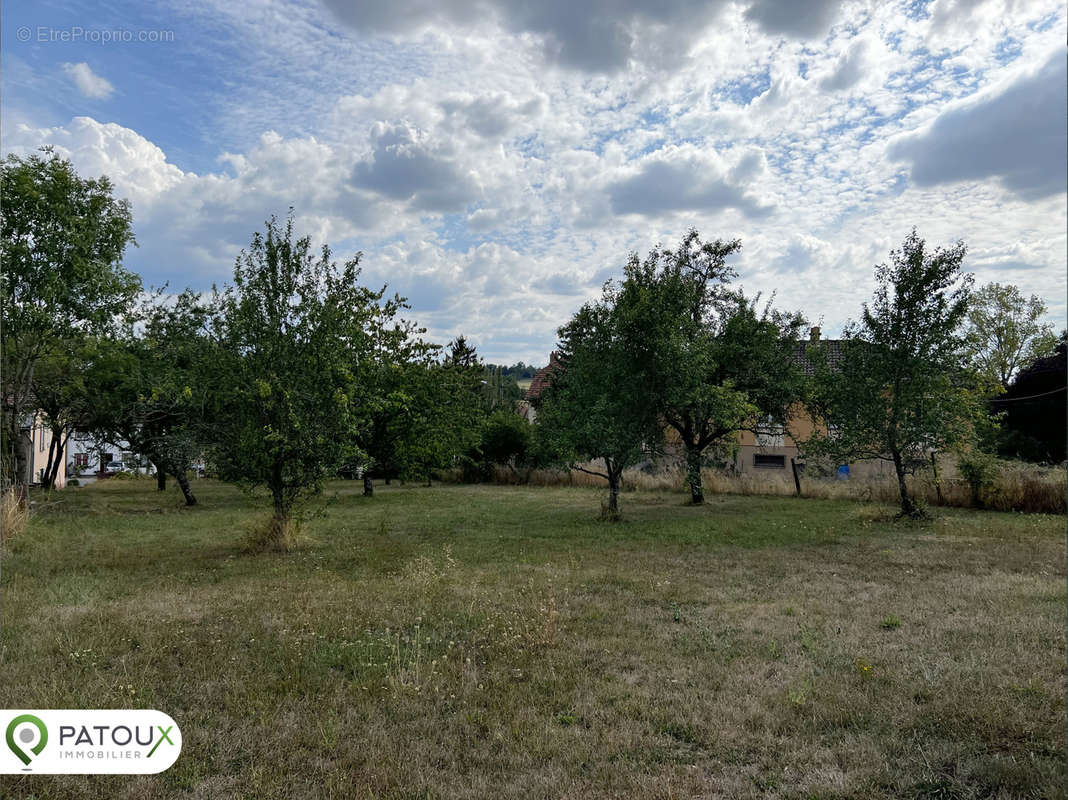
(543,378)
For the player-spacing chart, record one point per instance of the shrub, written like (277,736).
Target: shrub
(269,533)
(980,471)
(505,438)
(74,482)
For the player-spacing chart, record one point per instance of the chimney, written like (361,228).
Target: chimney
(814,333)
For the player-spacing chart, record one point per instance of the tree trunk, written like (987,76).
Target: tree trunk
(275,536)
(614,480)
(183,482)
(60,459)
(428,481)
(937,479)
(46,476)
(368,485)
(387,479)
(55,463)
(908,508)
(161,477)
(797,478)
(693,475)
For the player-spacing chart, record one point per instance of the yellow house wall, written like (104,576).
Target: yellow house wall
(39,445)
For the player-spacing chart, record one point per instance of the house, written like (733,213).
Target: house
(542,378)
(88,455)
(774,447)
(37,445)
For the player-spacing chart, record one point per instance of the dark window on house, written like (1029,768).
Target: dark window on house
(762,461)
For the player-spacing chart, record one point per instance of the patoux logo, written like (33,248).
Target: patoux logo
(75,741)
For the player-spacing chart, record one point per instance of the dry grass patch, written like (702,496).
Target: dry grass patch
(470,642)
(1017,487)
(14,514)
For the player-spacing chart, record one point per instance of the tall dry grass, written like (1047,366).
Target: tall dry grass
(1018,487)
(14,514)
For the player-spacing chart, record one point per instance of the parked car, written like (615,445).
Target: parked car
(113,467)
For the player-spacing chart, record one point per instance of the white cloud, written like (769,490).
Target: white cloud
(497,173)
(88,82)
(688,179)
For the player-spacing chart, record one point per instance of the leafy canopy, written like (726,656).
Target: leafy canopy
(291,335)
(1006,332)
(597,405)
(901,389)
(62,238)
(714,361)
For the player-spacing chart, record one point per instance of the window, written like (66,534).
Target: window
(41,439)
(770,433)
(764,461)
(81,459)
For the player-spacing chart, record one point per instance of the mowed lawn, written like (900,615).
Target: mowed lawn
(501,642)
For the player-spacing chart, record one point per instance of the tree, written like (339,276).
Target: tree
(597,406)
(150,388)
(388,378)
(58,392)
(445,414)
(715,362)
(291,333)
(500,388)
(1005,332)
(505,439)
(62,239)
(1034,410)
(901,390)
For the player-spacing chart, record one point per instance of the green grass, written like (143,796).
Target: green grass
(501,642)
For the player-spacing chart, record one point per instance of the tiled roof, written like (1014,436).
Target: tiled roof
(832,347)
(542,378)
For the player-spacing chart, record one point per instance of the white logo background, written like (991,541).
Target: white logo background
(81,742)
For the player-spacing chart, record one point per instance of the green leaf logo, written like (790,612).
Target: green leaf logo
(26,736)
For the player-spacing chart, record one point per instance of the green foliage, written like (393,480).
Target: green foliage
(290,335)
(901,389)
(980,470)
(446,413)
(597,406)
(714,362)
(58,391)
(500,388)
(1005,332)
(62,239)
(390,378)
(505,438)
(150,387)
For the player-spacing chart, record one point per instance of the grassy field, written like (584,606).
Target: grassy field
(496,641)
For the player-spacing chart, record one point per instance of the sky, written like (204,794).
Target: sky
(496,161)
